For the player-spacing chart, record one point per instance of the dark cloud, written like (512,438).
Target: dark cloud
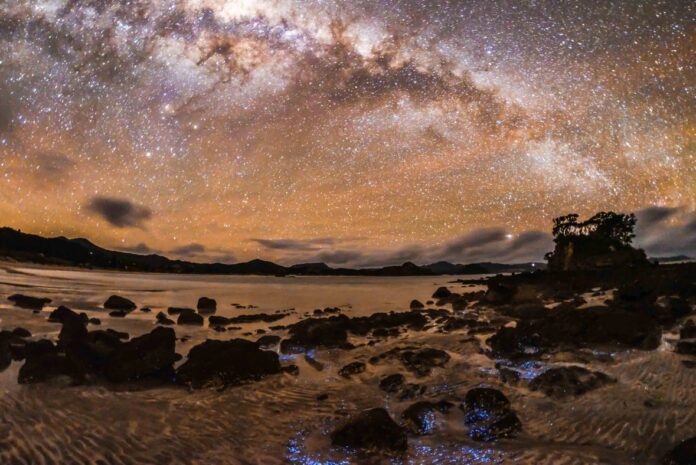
(472,240)
(188,250)
(302,245)
(227,258)
(121,213)
(489,244)
(339,257)
(140,249)
(53,164)
(666,231)
(651,216)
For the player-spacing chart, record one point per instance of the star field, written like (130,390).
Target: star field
(353,132)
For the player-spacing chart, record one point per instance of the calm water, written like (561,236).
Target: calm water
(280,420)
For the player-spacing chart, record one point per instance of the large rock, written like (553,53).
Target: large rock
(206,306)
(163,320)
(63,314)
(442,293)
(226,363)
(688,331)
(569,381)
(216,320)
(371,429)
(352,368)
(29,302)
(12,346)
(687,347)
(151,355)
(44,362)
(422,361)
(318,332)
(683,454)
(189,317)
(420,417)
(116,302)
(570,328)
(488,414)
(392,383)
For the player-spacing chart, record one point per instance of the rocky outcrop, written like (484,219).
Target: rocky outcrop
(226,363)
(189,317)
(562,382)
(206,306)
(116,302)
(151,355)
(488,415)
(420,418)
(570,328)
(29,302)
(351,369)
(683,454)
(371,429)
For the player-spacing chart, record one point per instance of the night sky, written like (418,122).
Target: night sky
(352,132)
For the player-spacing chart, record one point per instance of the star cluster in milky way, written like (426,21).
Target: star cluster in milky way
(353,132)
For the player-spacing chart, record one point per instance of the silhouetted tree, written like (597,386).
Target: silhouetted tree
(604,238)
(604,226)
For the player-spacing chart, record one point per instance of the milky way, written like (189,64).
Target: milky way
(355,132)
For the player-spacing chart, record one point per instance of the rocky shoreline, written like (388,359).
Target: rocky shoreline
(572,317)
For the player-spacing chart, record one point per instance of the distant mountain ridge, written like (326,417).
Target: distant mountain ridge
(82,253)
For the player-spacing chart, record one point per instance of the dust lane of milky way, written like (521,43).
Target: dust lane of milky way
(353,132)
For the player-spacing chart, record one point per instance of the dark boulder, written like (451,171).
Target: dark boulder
(118,314)
(392,383)
(226,363)
(206,306)
(63,314)
(21,333)
(686,347)
(498,293)
(318,332)
(678,307)
(569,381)
(525,311)
(163,320)
(422,361)
(258,317)
(215,320)
(189,318)
(489,416)
(148,356)
(442,293)
(353,368)
(683,454)
(569,329)
(371,429)
(362,325)
(44,362)
(29,302)
(12,346)
(179,310)
(268,340)
(688,331)
(416,305)
(116,302)
(420,417)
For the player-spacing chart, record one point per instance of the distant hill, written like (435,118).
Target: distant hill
(82,253)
